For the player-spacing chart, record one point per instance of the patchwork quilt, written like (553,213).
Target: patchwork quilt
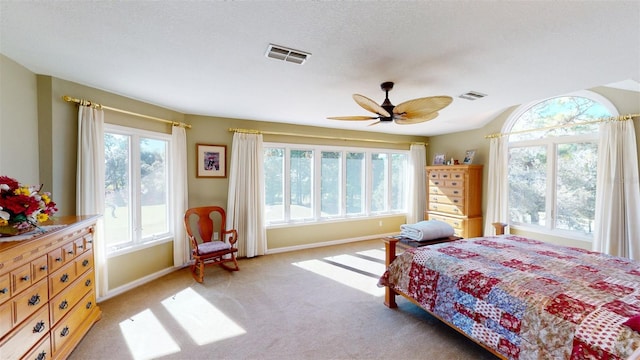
(525,298)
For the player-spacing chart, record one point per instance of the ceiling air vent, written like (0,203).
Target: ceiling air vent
(290,55)
(473,95)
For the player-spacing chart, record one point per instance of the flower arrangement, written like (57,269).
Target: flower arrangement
(22,207)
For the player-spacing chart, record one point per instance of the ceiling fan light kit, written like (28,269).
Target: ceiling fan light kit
(409,112)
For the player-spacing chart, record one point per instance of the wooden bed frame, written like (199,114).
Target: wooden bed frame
(390,295)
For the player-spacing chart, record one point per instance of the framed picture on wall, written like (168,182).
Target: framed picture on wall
(468,156)
(211,161)
(439,159)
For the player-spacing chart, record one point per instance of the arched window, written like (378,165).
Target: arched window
(552,164)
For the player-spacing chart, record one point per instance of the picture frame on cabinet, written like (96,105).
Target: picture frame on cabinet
(438,159)
(468,157)
(212,161)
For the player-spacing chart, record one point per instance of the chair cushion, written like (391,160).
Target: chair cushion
(212,246)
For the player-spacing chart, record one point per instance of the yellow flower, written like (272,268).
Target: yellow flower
(42,217)
(45,198)
(3,222)
(22,191)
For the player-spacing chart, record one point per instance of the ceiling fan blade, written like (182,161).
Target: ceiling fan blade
(416,120)
(423,105)
(352,118)
(370,105)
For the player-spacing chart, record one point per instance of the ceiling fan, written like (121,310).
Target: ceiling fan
(409,112)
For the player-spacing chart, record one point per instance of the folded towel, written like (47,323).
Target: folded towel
(426,230)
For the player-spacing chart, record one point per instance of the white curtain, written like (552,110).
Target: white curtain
(498,189)
(617,222)
(179,193)
(90,183)
(245,206)
(417,183)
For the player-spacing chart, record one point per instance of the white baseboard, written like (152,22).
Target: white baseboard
(327,243)
(134,284)
(124,288)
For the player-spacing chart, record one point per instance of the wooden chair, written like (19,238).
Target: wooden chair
(205,249)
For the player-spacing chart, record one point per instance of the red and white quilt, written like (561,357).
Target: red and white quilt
(525,298)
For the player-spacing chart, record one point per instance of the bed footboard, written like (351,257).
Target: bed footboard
(390,251)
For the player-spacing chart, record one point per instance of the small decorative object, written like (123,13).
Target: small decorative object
(468,157)
(438,159)
(22,207)
(212,161)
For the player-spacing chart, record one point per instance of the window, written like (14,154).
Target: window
(552,171)
(306,183)
(137,209)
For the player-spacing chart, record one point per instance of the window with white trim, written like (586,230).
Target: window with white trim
(137,206)
(308,183)
(552,171)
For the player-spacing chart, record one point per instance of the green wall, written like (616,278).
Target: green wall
(38,142)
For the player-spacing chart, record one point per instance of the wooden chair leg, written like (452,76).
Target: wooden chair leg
(229,268)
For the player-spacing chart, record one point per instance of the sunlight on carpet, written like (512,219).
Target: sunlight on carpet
(146,337)
(200,319)
(374,253)
(350,274)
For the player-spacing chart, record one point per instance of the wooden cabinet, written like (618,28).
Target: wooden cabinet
(454,195)
(47,293)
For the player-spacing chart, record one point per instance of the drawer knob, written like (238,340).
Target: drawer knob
(64,278)
(63,305)
(89,305)
(87,283)
(454,183)
(42,355)
(25,278)
(35,299)
(80,247)
(456,192)
(59,259)
(70,252)
(85,262)
(43,268)
(4,291)
(39,327)
(64,332)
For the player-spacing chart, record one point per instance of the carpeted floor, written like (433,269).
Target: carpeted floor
(312,304)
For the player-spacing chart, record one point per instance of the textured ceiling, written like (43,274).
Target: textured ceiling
(208,58)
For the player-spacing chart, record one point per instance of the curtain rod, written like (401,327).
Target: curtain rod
(612,118)
(251,131)
(84,102)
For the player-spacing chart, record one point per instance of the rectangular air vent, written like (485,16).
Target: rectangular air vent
(473,95)
(285,54)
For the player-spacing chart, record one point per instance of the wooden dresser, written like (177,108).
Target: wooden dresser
(47,291)
(454,195)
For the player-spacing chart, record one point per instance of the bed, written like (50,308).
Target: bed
(521,298)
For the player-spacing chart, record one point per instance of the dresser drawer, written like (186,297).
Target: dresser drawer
(26,335)
(29,301)
(20,278)
(5,319)
(447,208)
(55,259)
(71,326)
(67,299)
(39,268)
(62,278)
(42,351)
(446,191)
(442,199)
(84,262)
(5,285)
(454,183)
